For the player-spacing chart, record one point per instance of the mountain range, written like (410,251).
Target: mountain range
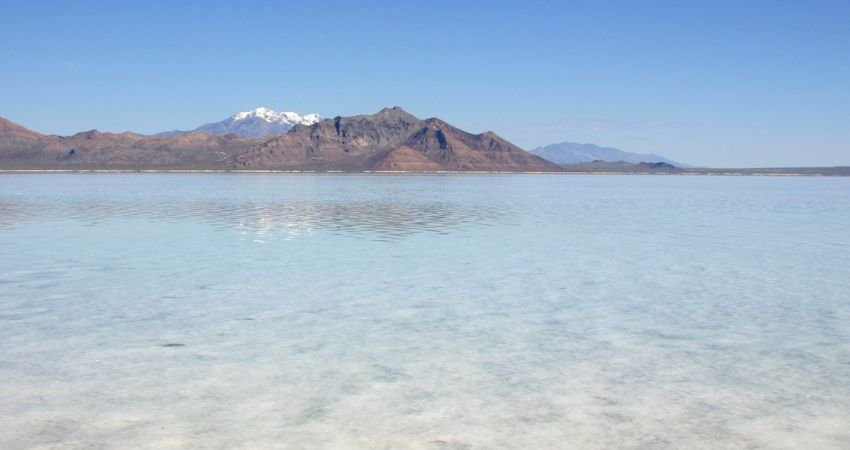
(21,148)
(261,122)
(572,153)
(391,139)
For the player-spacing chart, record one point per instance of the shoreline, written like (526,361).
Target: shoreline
(813,172)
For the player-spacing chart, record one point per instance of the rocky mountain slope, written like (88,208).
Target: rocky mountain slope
(391,139)
(21,148)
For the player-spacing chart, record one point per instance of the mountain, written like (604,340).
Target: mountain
(391,139)
(21,148)
(255,123)
(572,153)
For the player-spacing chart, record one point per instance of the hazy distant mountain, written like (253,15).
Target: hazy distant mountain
(572,153)
(255,123)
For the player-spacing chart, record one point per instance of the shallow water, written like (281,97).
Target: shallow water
(445,312)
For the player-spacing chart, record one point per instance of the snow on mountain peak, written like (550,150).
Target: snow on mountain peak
(271,116)
(255,123)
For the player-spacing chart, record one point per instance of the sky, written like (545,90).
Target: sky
(715,83)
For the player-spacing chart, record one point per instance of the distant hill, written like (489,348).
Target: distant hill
(21,148)
(391,140)
(258,122)
(572,153)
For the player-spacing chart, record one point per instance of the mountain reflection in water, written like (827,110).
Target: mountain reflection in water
(286,220)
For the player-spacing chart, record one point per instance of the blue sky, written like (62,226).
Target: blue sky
(737,83)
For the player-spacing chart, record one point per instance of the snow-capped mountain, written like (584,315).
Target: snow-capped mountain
(255,123)
(265,114)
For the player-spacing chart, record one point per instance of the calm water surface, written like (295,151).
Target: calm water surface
(434,312)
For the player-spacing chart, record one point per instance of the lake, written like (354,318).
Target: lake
(424,311)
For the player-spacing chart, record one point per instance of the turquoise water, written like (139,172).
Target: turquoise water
(446,312)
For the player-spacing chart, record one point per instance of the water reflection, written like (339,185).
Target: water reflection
(262,220)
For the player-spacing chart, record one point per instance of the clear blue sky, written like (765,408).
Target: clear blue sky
(721,83)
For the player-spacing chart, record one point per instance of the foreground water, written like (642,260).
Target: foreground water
(318,311)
